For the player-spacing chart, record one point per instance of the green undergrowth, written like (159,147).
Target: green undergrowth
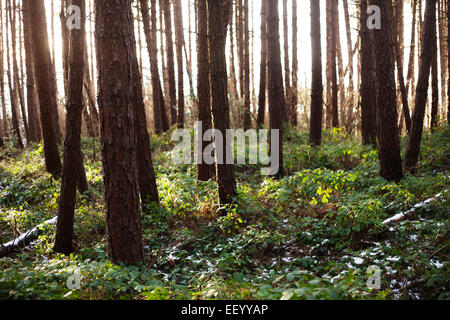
(310,235)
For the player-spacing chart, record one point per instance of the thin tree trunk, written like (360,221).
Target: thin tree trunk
(179,36)
(294,88)
(435,81)
(13,92)
(426,59)
(4,123)
(159,116)
(42,68)
(410,77)
(33,116)
(448,62)
(443,52)
(398,53)
(263,67)
(218,17)
(315,136)
(333,56)
(349,121)
(205,171)
(287,70)
(368,83)
(73,159)
(170,62)
(246,48)
(65,46)
(277,103)
(233,81)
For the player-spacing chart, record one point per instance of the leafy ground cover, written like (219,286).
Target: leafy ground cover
(311,235)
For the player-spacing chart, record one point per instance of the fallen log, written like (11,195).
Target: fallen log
(24,239)
(402,216)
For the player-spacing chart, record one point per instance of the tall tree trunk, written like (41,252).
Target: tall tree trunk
(412,54)
(398,53)
(54,84)
(19,74)
(315,136)
(42,67)
(179,36)
(218,17)
(263,67)
(246,52)
(448,64)
(287,69)
(349,121)
(73,159)
(443,52)
(89,89)
(435,82)
(389,143)
(65,46)
(146,174)
(277,103)
(4,123)
(368,83)
(294,88)
(116,60)
(33,116)
(159,110)
(205,172)
(170,62)
(415,137)
(13,90)
(333,57)
(165,69)
(233,81)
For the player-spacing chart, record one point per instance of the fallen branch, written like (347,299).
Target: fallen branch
(24,239)
(402,216)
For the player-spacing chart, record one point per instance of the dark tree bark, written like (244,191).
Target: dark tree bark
(179,36)
(263,67)
(12,84)
(33,116)
(159,110)
(2,78)
(435,84)
(333,56)
(89,90)
(65,45)
(218,17)
(233,81)
(73,162)
(16,77)
(42,68)
(287,67)
(115,60)
(294,89)
(368,83)
(426,58)
(448,63)
(170,62)
(398,52)
(246,65)
(146,174)
(389,143)
(277,103)
(315,136)
(412,51)
(205,172)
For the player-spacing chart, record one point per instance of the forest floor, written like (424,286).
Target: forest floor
(311,235)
